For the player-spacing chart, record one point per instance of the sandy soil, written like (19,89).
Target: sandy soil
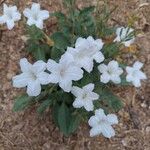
(27,131)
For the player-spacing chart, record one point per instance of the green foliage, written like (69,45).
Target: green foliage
(36,44)
(61,41)
(64,119)
(108,98)
(44,105)
(102,17)
(92,77)
(75,23)
(110,50)
(124,81)
(22,102)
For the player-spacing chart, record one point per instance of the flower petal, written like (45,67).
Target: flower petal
(39,23)
(102,68)
(138,65)
(5,8)
(87,64)
(113,65)
(35,7)
(136,82)
(53,78)
(99,57)
(10,24)
(88,105)
(43,14)
(80,42)
(74,73)
(76,91)
(27,13)
(2,19)
(43,77)
(112,119)
(115,79)
(30,21)
(105,78)
(93,96)
(39,66)
(16,16)
(89,87)
(25,65)
(95,131)
(66,85)
(21,80)
(33,88)
(66,59)
(129,69)
(77,103)
(100,113)
(141,75)
(107,130)
(93,121)
(129,78)
(52,65)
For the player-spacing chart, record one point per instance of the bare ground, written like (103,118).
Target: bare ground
(27,131)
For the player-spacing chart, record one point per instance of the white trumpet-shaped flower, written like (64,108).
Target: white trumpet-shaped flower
(85,51)
(125,35)
(134,74)
(84,97)
(10,15)
(110,72)
(32,76)
(35,15)
(102,123)
(64,72)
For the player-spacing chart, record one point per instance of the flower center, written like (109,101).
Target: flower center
(35,16)
(84,96)
(102,121)
(62,72)
(110,71)
(34,77)
(9,15)
(134,73)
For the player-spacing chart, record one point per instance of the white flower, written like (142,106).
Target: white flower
(85,51)
(64,72)
(101,123)
(135,74)
(35,15)
(10,16)
(110,72)
(32,76)
(84,97)
(125,35)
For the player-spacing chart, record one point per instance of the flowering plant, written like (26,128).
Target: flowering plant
(75,67)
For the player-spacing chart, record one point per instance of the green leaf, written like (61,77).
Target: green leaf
(34,33)
(74,123)
(39,54)
(60,16)
(44,106)
(22,102)
(56,53)
(110,50)
(64,118)
(124,81)
(60,40)
(87,11)
(113,102)
(55,111)
(69,2)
